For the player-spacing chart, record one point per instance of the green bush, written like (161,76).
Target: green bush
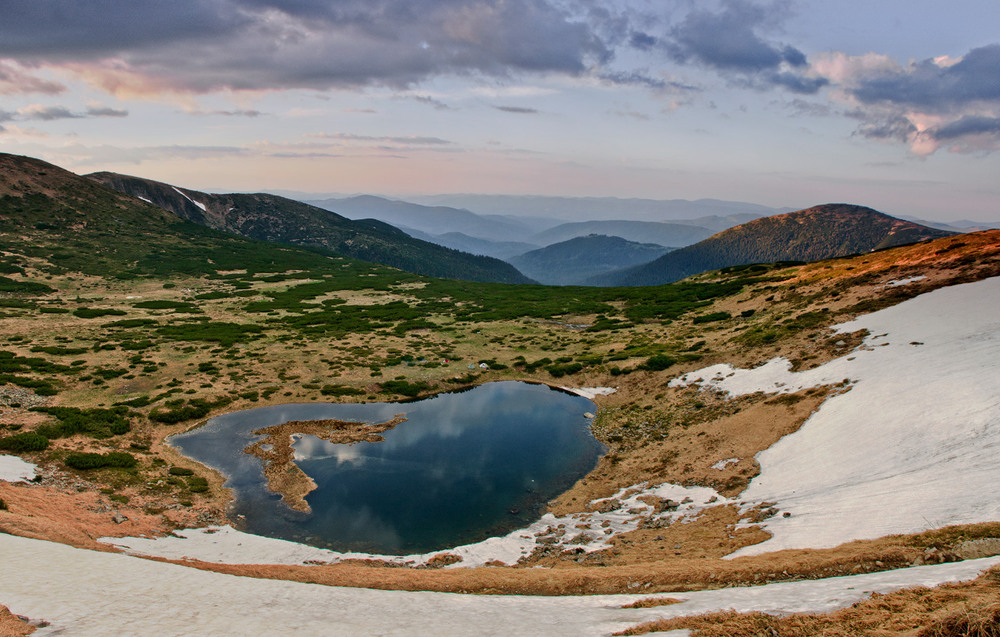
(340,390)
(711,317)
(114,459)
(180,471)
(564,369)
(26,441)
(658,362)
(178,412)
(404,388)
(197,484)
(93,312)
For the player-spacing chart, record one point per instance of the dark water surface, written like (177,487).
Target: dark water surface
(463,467)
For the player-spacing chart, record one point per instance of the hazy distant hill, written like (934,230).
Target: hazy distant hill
(474,245)
(660,233)
(598,208)
(571,262)
(434,220)
(816,233)
(273,218)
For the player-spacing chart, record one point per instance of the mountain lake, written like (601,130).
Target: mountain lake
(462,467)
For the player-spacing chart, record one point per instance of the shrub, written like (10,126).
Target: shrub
(114,459)
(560,370)
(404,388)
(658,362)
(26,441)
(711,317)
(340,390)
(92,312)
(180,471)
(197,484)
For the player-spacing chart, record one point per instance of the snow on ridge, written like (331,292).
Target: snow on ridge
(13,469)
(913,445)
(584,532)
(182,194)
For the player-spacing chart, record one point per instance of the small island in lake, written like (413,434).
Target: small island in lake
(284,477)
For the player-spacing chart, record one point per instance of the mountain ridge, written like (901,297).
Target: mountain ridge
(277,219)
(811,234)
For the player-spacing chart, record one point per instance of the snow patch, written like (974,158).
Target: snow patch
(898,282)
(590,392)
(54,582)
(722,464)
(197,203)
(13,469)
(911,445)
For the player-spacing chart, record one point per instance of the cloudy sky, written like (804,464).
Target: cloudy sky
(893,104)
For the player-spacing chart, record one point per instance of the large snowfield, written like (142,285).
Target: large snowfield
(914,444)
(92,593)
(910,443)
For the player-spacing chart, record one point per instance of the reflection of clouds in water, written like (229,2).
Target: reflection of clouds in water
(313,448)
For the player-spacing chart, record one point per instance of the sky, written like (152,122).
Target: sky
(893,104)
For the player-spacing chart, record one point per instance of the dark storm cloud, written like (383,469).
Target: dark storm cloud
(928,86)
(204,45)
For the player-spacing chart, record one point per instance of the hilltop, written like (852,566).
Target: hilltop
(820,232)
(573,261)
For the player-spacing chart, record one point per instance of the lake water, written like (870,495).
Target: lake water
(463,467)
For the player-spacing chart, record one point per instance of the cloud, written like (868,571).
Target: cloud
(224,113)
(521,110)
(384,139)
(926,103)
(640,78)
(936,85)
(14,79)
(210,45)
(42,113)
(731,42)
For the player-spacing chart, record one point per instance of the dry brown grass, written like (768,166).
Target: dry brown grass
(11,625)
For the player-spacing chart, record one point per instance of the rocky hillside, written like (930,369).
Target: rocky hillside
(277,219)
(813,234)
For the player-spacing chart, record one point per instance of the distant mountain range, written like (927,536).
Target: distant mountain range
(598,208)
(574,261)
(821,232)
(272,218)
(507,236)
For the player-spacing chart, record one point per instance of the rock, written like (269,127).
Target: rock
(975,549)
(118,518)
